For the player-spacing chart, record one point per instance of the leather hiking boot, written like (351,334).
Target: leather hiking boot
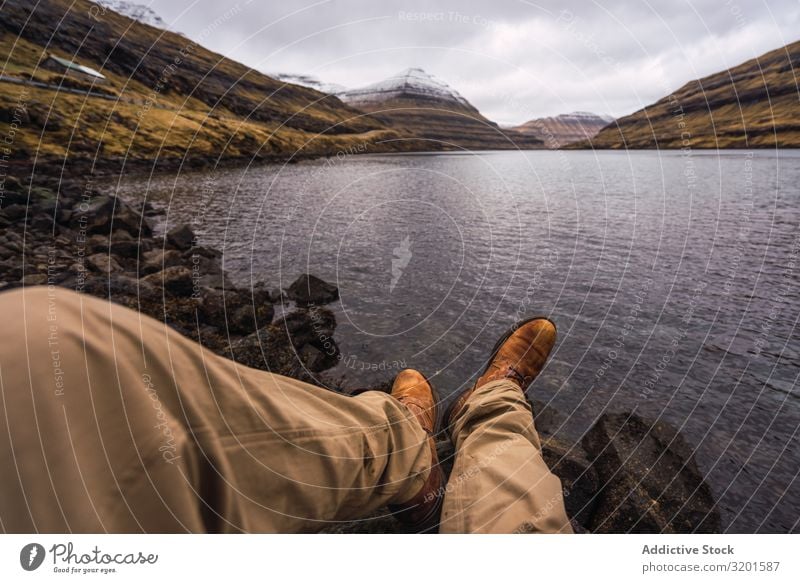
(414,391)
(519,356)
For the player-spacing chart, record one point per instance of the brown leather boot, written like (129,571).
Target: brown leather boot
(519,356)
(414,391)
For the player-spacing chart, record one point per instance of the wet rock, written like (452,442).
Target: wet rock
(63,216)
(104,214)
(14,192)
(126,249)
(280,346)
(102,263)
(278,296)
(233,312)
(98,244)
(314,326)
(209,272)
(248,318)
(181,237)
(158,259)
(175,280)
(650,482)
(14,212)
(202,252)
(309,290)
(42,222)
(35,279)
(131,287)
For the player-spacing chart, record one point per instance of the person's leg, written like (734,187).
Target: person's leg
(111,421)
(500,482)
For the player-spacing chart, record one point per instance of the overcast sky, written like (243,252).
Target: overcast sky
(513,59)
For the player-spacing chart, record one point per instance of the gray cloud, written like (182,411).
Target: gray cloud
(512,59)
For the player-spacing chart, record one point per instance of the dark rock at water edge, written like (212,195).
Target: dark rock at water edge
(650,482)
(300,343)
(310,290)
(181,237)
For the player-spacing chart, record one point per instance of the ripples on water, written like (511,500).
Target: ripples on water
(673,280)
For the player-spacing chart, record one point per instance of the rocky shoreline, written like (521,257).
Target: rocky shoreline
(626,474)
(65,232)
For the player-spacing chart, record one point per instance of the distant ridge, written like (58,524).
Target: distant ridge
(560,130)
(755,104)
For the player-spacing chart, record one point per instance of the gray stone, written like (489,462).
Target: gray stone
(310,290)
(650,482)
(158,259)
(105,214)
(175,280)
(102,263)
(181,237)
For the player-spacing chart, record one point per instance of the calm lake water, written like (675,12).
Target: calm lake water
(673,280)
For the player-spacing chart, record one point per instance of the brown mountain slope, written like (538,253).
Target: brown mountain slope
(423,105)
(564,129)
(164,95)
(756,104)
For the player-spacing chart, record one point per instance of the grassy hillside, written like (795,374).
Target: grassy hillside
(164,96)
(756,105)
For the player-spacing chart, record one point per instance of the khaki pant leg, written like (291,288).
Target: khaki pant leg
(110,421)
(500,483)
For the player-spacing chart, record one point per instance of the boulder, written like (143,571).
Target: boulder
(158,259)
(41,222)
(98,244)
(102,263)
(181,237)
(34,279)
(314,326)
(203,252)
(247,318)
(650,482)
(208,271)
(313,358)
(123,286)
(176,280)
(126,249)
(104,214)
(14,192)
(14,212)
(279,347)
(234,312)
(308,290)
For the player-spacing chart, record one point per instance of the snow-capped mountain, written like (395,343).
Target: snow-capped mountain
(411,83)
(419,104)
(309,81)
(565,128)
(138,12)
